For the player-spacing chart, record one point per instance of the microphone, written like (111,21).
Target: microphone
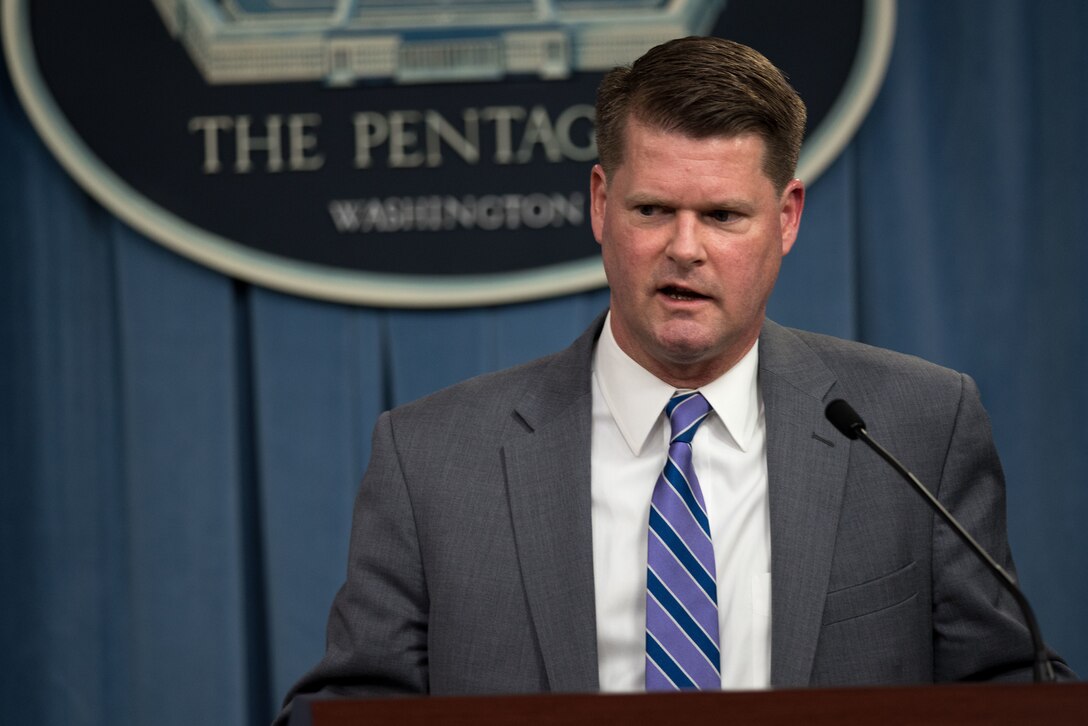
(842,415)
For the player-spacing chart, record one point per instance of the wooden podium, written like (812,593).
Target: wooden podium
(1048,704)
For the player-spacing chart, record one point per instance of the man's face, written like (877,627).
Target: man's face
(692,234)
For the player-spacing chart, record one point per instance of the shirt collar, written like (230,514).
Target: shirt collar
(636,398)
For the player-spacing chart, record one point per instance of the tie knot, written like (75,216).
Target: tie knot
(686,411)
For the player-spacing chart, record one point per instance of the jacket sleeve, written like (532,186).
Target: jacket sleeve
(978,629)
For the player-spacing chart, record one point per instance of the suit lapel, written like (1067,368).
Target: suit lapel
(806,468)
(547,465)
(548,483)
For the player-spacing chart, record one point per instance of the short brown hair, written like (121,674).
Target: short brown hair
(703,87)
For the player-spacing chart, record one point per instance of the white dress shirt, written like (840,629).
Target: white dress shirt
(629,447)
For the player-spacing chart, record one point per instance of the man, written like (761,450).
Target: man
(504,537)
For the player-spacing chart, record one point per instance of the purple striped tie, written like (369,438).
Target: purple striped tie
(681,591)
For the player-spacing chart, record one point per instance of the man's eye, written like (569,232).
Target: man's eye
(646,210)
(722,215)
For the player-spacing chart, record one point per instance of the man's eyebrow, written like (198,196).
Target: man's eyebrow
(639,199)
(733,205)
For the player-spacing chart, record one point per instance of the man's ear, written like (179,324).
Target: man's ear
(598,200)
(790,207)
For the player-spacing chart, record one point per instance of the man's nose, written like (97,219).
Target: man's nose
(686,245)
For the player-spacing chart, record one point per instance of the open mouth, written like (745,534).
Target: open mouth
(674,292)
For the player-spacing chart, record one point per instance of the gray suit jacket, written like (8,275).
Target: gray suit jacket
(471,565)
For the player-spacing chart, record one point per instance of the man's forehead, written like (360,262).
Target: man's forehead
(648,140)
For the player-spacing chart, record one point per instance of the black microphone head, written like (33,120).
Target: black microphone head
(843,416)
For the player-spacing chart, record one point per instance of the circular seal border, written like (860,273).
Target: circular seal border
(388,290)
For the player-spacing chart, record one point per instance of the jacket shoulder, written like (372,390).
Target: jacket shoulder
(911,390)
(839,352)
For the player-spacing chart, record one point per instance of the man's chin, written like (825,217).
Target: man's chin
(698,353)
(686,351)
(687,339)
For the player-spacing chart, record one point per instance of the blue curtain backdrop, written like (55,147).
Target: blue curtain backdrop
(179,450)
